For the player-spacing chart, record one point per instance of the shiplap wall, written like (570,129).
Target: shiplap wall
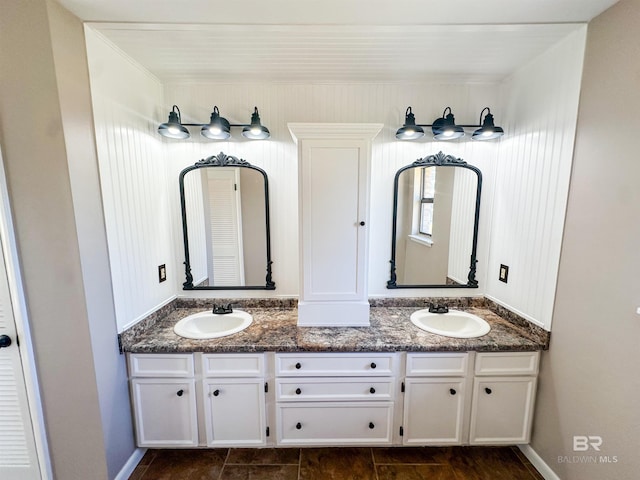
(532,178)
(280,104)
(525,174)
(127,103)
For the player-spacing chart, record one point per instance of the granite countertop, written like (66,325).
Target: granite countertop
(276,330)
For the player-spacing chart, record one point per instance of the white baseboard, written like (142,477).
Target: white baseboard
(537,461)
(131,464)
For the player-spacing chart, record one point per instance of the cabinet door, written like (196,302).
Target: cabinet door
(433,411)
(165,412)
(235,412)
(502,410)
(334,194)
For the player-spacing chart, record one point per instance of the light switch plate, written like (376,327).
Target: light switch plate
(162,273)
(504,273)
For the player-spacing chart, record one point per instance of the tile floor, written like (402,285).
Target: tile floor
(403,463)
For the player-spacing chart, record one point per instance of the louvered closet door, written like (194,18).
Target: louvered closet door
(18,460)
(224,225)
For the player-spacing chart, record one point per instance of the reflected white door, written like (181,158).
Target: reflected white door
(18,458)
(224,226)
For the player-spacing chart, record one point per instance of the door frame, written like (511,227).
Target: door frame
(23,333)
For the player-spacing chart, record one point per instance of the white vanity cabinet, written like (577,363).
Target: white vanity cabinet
(504,390)
(335,398)
(435,399)
(194,399)
(163,393)
(234,399)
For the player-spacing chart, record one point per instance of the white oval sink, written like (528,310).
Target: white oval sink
(455,324)
(203,325)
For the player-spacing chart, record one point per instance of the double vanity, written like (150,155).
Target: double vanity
(273,383)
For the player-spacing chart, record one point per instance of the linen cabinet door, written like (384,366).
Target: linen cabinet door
(165,412)
(433,411)
(235,412)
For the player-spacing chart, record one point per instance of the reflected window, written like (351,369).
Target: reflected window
(427,194)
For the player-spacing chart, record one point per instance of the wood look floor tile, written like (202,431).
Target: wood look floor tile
(260,472)
(264,456)
(415,472)
(489,463)
(430,455)
(336,464)
(191,464)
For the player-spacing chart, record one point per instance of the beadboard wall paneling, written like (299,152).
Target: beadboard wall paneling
(280,104)
(126,104)
(532,179)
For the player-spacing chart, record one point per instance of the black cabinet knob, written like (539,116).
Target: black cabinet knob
(371,425)
(452,391)
(5,341)
(373,365)
(298,426)
(298,391)
(362,224)
(488,390)
(180,393)
(372,390)
(216,393)
(298,366)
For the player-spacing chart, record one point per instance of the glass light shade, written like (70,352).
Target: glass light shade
(173,128)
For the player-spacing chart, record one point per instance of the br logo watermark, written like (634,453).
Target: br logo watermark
(587,443)
(582,443)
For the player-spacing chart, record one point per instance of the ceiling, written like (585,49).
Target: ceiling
(302,41)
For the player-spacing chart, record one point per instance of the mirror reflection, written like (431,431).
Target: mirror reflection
(225,218)
(435,222)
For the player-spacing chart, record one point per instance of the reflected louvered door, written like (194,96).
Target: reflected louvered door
(18,458)
(224,227)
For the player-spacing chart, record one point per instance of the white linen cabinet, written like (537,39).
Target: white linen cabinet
(333,184)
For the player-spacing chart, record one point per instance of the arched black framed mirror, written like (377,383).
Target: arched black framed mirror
(436,209)
(225,225)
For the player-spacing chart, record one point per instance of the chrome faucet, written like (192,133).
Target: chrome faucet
(438,308)
(221,309)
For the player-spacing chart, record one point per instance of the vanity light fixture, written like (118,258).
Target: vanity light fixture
(445,128)
(218,127)
(174,128)
(488,131)
(409,131)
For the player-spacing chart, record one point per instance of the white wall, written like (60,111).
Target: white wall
(127,104)
(357,103)
(533,169)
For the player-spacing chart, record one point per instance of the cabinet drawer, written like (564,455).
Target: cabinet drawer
(333,389)
(437,364)
(335,364)
(334,423)
(233,365)
(507,363)
(161,365)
